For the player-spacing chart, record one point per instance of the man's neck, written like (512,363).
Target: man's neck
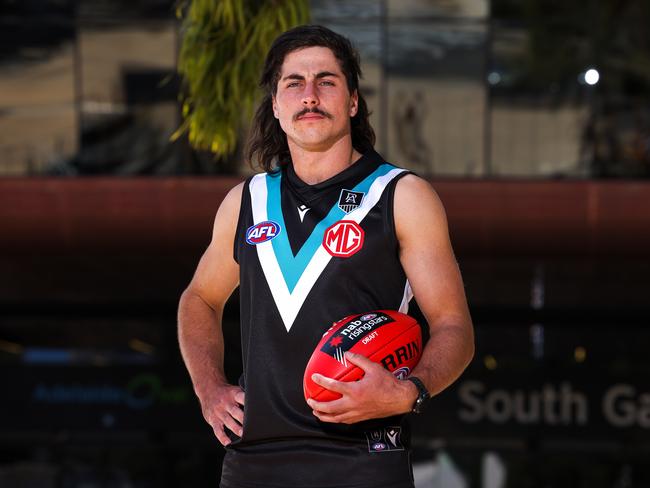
(314,167)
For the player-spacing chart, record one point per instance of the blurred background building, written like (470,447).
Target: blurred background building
(530,117)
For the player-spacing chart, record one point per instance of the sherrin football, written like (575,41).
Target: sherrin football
(387,337)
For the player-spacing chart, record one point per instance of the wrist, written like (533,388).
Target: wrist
(209,386)
(408,395)
(423,394)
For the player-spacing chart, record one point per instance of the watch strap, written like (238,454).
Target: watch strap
(423,394)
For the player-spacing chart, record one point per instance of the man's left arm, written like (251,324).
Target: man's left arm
(431,268)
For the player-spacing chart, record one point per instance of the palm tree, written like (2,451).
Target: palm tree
(221,56)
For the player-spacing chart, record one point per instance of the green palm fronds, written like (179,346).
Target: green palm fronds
(221,57)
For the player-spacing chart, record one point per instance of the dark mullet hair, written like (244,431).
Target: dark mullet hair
(267,143)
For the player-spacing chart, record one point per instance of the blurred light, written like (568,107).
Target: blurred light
(100,359)
(490,362)
(10,347)
(537,340)
(592,76)
(537,288)
(494,78)
(141,346)
(108,420)
(580,354)
(48,355)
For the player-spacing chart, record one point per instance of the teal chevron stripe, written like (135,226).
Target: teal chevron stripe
(292,267)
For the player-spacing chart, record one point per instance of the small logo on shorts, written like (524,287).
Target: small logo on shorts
(388,439)
(374,435)
(262,232)
(393,436)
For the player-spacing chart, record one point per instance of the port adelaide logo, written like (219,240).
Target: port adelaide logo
(262,232)
(349,200)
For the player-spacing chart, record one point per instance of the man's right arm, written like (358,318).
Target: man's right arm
(200,312)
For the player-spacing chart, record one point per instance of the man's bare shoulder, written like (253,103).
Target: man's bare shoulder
(235,192)
(228,212)
(415,198)
(232,201)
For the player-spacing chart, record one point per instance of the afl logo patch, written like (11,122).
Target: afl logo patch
(262,232)
(343,239)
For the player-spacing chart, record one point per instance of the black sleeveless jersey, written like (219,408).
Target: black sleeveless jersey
(310,255)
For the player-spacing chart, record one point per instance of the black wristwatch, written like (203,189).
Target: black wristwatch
(423,394)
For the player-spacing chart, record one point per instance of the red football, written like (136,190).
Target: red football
(388,337)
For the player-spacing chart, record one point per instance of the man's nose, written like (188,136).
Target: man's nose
(310,95)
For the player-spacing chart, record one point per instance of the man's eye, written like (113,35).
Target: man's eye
(292,84)
(327,83)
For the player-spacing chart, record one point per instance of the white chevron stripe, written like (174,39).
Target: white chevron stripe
(408,294)
(289,304)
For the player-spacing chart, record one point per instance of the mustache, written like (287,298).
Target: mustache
(314,110)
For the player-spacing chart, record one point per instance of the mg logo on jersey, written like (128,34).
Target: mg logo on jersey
(343,239)
(262,232)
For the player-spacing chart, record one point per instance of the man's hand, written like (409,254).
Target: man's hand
(224,408)
(378,394)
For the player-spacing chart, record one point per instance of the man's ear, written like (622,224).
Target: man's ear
(275,107)
(354,103)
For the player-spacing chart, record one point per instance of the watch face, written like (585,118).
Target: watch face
(419,404)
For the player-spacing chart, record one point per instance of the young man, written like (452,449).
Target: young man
(273,237)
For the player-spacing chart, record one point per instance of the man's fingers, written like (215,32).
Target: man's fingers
(235,427)
(237,413)
(330,384)
(332,418)
(359,360)
(333,407)
(324,417)
(221,435)
(239,397)
(224,410)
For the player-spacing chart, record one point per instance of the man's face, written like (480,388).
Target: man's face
(312,101)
